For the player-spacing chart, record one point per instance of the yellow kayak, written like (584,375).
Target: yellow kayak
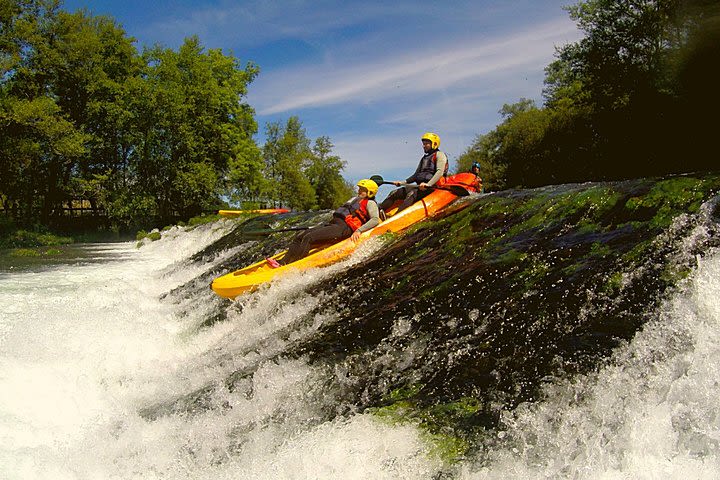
(237,213)
(249,278)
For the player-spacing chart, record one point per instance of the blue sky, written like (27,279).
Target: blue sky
(371,75)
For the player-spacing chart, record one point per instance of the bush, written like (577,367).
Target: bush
(29,239)
(203,219)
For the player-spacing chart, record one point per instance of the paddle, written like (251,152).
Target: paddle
(270,231)
(454,189)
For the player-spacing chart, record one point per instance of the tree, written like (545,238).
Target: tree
(511,154)
(245,181)
(40,144)
(324,173)
(287,155)
(623,82)
(190,123)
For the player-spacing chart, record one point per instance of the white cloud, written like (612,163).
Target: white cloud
(257,22)
(374,77)
(407,73)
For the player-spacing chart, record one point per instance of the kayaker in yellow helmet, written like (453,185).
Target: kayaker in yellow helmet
(431,171)
(357,215)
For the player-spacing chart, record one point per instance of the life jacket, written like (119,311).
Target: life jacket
(427,168)
(354,212)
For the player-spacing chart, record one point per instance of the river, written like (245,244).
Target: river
(91,350)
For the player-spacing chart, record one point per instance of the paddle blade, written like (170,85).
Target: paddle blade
(377,179)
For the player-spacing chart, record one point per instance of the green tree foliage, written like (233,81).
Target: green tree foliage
(512,153)
(300,176)
(40,145)
(627,100)
(245,182)
(146,137)
(286,154)
(190,126)
(324,173)
(618,91)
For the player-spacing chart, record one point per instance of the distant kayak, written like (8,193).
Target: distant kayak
(237,213)
(249,278)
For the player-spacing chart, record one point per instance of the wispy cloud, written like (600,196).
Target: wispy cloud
(406,73)
(257,22)
(374,76)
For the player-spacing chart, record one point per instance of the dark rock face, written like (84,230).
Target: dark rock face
(469,314)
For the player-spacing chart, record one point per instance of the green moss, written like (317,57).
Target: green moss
(543,212)
(405,392)
(458,233)
(637,254)
(142,234)
(433,291)
(448,448)
(494,206)
(669,198)
(415,254)
(511,256)
(572,269)
(600,249)
(53,251)
(673,274)
(613,284)
(534,272)
(24,252)
(434,421)
(585,227)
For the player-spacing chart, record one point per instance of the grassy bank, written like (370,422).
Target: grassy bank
(38,236)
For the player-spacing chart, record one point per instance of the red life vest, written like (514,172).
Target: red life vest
(354,212)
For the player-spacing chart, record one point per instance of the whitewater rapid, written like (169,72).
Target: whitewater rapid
(86,351)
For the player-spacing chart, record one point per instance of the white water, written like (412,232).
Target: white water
(85,349)
(652,414)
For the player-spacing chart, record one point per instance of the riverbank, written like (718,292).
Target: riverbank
(41,240)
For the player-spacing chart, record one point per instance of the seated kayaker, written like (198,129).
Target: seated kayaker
(475,170)
(431,170)
(358,215)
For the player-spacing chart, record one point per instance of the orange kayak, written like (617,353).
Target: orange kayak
(249,278)
(236,213)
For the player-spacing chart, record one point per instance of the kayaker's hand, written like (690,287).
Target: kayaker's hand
(423,185)
(397,184)
(356,236)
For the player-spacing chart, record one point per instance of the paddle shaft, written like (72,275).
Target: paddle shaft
(458,190)
(276,230)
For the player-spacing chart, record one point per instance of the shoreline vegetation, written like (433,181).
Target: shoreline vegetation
(100,135)
(39,240)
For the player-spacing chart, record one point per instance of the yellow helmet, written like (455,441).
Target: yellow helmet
(433,138)
(369,185)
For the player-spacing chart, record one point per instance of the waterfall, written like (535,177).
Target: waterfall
(485,344)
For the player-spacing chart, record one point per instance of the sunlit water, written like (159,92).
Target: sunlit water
(86,349)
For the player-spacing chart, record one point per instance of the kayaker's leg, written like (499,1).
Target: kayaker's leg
(395,195)
(335,231)
(414,195)
(410,198)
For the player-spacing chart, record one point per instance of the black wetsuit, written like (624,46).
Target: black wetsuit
(331,232)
